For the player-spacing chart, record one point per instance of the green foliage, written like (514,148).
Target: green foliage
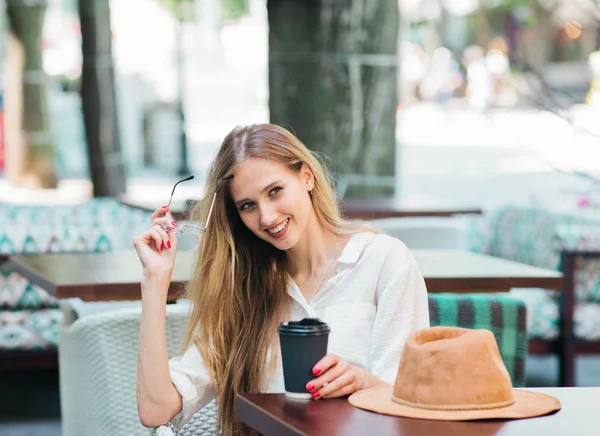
(183,10)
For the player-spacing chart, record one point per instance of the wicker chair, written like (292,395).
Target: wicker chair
(98,368)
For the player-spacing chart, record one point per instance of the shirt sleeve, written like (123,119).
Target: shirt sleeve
(402,308)
(192,380)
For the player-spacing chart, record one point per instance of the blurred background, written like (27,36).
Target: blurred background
(443,105)
(493,100)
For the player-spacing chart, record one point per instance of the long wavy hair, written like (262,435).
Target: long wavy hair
(239,285)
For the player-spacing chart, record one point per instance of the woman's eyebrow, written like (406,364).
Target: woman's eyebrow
(266,188)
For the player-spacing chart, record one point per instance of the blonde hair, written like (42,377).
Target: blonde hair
(239,286)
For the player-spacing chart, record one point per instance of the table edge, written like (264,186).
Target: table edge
(248,405)
(243,405)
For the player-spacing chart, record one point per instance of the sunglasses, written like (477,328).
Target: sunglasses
(192,228)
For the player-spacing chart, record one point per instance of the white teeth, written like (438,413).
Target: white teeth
(279,228)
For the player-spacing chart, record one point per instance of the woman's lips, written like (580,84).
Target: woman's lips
(281,229)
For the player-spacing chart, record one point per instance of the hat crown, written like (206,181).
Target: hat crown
(450,368)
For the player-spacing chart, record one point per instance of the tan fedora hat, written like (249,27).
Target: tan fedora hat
(453,374)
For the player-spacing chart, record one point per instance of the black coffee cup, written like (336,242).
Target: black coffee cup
(303,344)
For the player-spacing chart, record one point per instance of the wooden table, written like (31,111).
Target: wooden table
(116,276)
(95,277)
(467,272)
(273,414)
(367,209)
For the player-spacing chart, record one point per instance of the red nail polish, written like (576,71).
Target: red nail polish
(160,247)
(169,244)
(164,207)
(310,387)
(316,395)
(316,371)
(174,223)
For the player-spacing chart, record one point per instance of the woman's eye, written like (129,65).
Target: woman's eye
(246,206)
(275,190)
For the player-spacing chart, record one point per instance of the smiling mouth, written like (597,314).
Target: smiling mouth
(279,228)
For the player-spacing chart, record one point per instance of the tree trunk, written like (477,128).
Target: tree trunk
(35,165)
(98,100)
(539,53)
(333,81)
(483,27)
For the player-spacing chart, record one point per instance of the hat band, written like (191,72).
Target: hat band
(454,407)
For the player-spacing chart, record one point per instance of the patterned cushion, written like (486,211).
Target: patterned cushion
(17,292)
(543,315)
(543,312)
(587,321)
(587,268)
(478,232)
(29,329)
(524,235)
(36,240)
(587,279)
(97,226)
(537,237)
(580,237)
(529,235)
(504,316)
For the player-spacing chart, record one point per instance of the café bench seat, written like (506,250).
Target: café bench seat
(563,322)
(29,316)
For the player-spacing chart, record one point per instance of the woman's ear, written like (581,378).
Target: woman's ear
(307,176)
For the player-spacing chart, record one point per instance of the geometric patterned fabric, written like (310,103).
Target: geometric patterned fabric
(28,315)
(537,237)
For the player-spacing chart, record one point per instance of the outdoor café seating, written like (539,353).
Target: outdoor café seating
(30,318)
(29,315)
(566,322)
(563,322)
(98,357)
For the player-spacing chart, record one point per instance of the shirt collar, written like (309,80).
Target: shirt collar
(354,247)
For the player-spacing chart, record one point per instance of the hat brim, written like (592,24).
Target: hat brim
(527,405)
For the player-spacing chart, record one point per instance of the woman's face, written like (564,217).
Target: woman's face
(272,200)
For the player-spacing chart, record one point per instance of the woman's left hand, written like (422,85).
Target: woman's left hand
(336,378)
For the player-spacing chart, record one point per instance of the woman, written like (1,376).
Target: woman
(275,249)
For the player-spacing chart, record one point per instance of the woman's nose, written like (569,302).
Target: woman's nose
(268,217)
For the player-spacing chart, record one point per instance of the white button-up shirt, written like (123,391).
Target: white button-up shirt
(375,300)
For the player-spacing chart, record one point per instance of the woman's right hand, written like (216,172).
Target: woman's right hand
(155,247)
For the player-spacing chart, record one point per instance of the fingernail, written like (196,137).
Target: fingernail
(164,207)
(169,244)
(316,371)
(161,246)
(174,223)
(310,387)
(316,394)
